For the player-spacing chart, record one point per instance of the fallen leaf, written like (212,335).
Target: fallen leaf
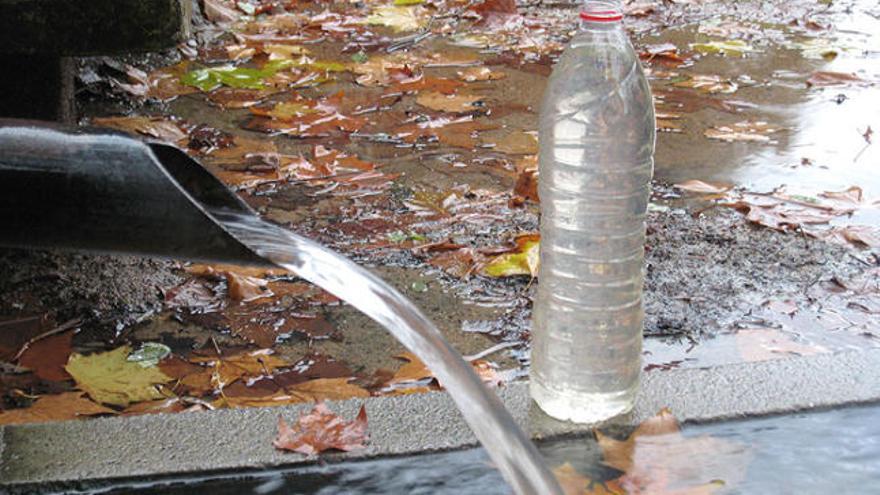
(729,47)
(321,430)
(474,74)
(708,84)
(245,288)
(61,407)
(398,18)
(109,378)
(657,459)
(526,185)
(523,260)
(828,78)
(457,103)
(226,369)
(301,117)
(742,131)
(459,263)
(152,127)
(698,186)
(172,405)
(220,11)
(47,356)
(763,344)
(517,143)
(413,370)
(666,53)
(15,333)
(574,483)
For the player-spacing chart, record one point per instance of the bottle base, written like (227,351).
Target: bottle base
(579,407)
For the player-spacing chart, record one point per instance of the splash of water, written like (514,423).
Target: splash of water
(507,445)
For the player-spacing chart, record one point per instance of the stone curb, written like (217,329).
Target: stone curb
(82,454)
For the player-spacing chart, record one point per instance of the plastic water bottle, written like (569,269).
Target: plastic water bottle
(595,164)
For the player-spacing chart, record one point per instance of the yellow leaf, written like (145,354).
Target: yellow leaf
(109,378)
(523,261)
(227,369)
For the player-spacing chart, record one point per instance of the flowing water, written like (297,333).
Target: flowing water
(510,449)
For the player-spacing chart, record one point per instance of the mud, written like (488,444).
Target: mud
(107,292)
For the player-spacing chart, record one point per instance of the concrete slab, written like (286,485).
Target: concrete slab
(78,454)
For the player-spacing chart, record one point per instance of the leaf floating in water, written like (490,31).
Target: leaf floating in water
(61,407)
(708,84)
(110,378)
(657,458)
(574,483)
(742,131)
(828,78)
(321,430)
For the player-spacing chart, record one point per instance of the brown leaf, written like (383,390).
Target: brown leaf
(61,407)
(321,430)
(301,117)
(708,84)
(657,459)
(474,74)
(574,483)
(828,78)
(517,143)
(458,263)
(698,186)
(47,357)
(16,332)
(756,131)
(227,369)
(151,127)
(456,103)
(763,344)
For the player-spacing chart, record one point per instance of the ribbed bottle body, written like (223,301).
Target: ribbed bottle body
(595,163)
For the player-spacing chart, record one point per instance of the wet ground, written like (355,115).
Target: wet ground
(416,176)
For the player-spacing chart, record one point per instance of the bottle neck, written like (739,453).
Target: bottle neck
(601,15)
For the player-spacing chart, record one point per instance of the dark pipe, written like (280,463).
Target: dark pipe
(97,190)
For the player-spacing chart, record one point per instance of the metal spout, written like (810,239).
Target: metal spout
(101,191)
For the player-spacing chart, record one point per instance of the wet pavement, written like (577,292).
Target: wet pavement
(416,176)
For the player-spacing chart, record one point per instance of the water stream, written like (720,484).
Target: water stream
(508,446)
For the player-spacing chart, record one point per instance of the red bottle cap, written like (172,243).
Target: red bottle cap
(602,16)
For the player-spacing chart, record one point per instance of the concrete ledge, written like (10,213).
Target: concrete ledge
(84,27)
(84,453)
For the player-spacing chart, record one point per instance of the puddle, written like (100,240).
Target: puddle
(819,144)
(818,452)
